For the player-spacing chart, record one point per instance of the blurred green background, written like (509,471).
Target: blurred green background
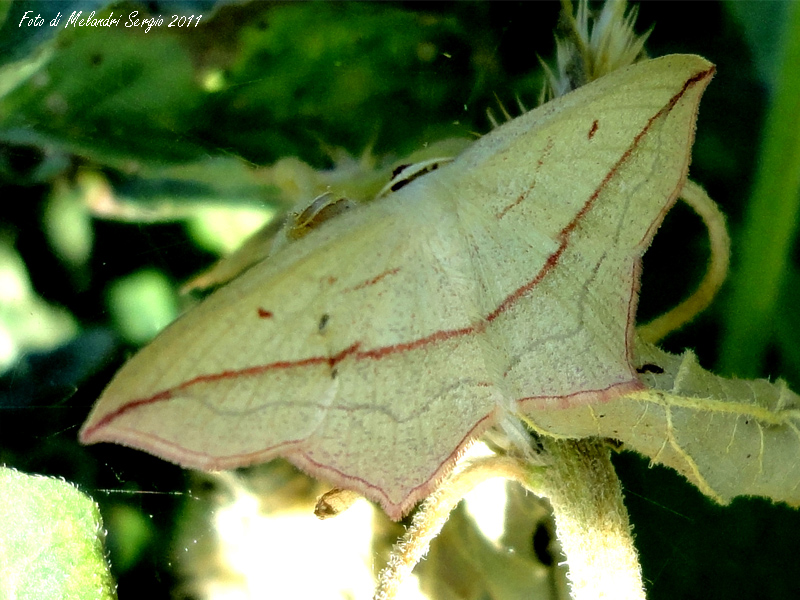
(157,127)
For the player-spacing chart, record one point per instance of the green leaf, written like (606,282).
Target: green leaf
(729,437)
(293,90)
(770,223)
(19,37)
(759,22)
(110,97)
(51,541)
(179,191)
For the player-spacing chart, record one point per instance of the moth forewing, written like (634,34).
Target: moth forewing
(373,349)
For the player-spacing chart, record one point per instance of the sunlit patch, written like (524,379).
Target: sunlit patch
(14,286)
(27,322)
(486,504)
(8,349)
(296,555)
(265,542)
(222,229)
(142,304)
(213,80)
(68,225)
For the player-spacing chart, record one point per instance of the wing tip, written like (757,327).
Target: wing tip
(93,431)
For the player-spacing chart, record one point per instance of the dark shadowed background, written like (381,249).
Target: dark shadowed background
(175,119)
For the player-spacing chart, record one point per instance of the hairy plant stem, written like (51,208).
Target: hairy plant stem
(591,520)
